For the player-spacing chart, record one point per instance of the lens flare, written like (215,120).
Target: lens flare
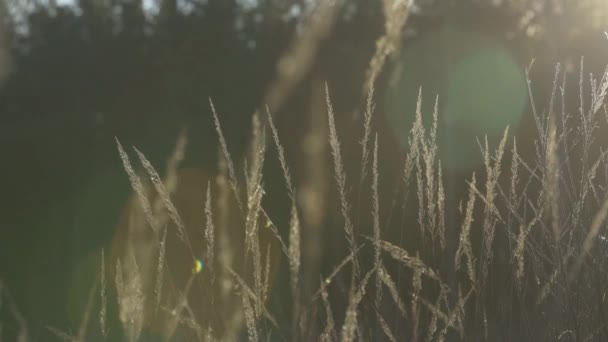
(480,85)
(198,265)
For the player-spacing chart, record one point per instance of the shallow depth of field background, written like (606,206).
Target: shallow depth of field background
(76,74)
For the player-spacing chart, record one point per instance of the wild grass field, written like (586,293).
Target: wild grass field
(527,262)
(520,254)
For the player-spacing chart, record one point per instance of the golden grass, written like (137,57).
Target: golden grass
(532,254)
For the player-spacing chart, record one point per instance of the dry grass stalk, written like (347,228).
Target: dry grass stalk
(103,296)
(340,176)
(58,333)
(160,268)
(441,207)
(367,130)
(546,289)
(164,196)
(209,336)
(589,124)
(252,332)
(314,186)
(329,332)
(464,245)
(598,222)
(581,89)
(416,288)
(181,313)
(385,328)
(293,252)
(396,13)
(415,138)
(413,263)
(600,94)
(258,283)
(422,152)
(84,323)
(141,248)
(255,192)
(593,173)
(513,197)
(277,235)
(188,320)
(429,153)
(456,316)
(518,253)
(171,179)
(376,214)
(335,272)
(227,159)
(294,249)
(551,184)
(490,218)
(130,297)
(225,245)
(139,188)
(248,291)
(256,157)
(421,204)
(210,233)
(266,281)
(350,321)
(483,199)
(386,279)
(281,155)
(295,64)
(436,314)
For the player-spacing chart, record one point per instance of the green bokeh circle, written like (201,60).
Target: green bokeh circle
(481,90)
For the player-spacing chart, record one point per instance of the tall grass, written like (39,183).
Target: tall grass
(553,284)
(527,263)
(528,260)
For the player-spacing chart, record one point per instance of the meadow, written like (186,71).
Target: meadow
(527,262)
(519,254)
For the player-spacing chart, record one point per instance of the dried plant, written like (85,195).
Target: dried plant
(299,57)
(227,159)
(329,332)
(350,322)
(131,298)
(209,233)
(294,249)
(139,188)
(103,296)
(396,13)
(376,209)
(340,176)
(367,130)
(464,243)
(387,280)
(540,266)
(160,272)
(164,196)
(386,329)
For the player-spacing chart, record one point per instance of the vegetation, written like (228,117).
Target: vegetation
(530,268)
(520,255)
